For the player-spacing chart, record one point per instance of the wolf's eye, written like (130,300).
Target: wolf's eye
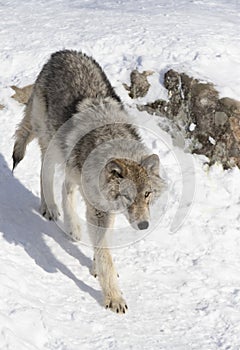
(127,198)
(117,174)
(147,194)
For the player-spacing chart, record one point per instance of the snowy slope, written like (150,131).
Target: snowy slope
(182,286)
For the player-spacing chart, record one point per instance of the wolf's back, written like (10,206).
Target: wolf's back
(69,77)
(65,80)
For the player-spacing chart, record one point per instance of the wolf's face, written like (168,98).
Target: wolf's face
(131,187)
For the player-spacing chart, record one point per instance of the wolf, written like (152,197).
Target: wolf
(81,122)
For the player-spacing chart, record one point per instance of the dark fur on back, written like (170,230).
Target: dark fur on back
(71,76)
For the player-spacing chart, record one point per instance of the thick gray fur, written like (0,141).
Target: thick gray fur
(80,122)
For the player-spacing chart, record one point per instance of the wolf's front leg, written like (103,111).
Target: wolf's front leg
(98,224)
(71,219)
(108,280)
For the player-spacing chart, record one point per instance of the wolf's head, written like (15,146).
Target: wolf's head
(131,187)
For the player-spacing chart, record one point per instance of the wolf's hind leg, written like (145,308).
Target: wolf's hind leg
(49,208)
(103,266)
(71,219)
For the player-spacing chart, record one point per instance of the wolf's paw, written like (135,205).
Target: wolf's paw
(50,212)
(73,230)
(93,269)
(75,236)
(116,304)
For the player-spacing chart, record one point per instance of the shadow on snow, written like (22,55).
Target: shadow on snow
(22,224)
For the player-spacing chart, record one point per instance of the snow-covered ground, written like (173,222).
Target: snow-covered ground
(182,285)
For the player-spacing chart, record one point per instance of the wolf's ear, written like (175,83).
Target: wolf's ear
(152,164)
(115,167)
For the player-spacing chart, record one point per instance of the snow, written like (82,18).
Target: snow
(211,140)
(192,127)
(181,281)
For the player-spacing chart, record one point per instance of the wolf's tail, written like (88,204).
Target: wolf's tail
(23,135)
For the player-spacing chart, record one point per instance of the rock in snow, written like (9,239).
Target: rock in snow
(192,102)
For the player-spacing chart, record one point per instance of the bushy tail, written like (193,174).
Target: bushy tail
(23,135)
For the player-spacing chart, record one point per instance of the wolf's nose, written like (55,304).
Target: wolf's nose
(143,225)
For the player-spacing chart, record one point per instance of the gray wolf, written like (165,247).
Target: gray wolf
(80,121)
